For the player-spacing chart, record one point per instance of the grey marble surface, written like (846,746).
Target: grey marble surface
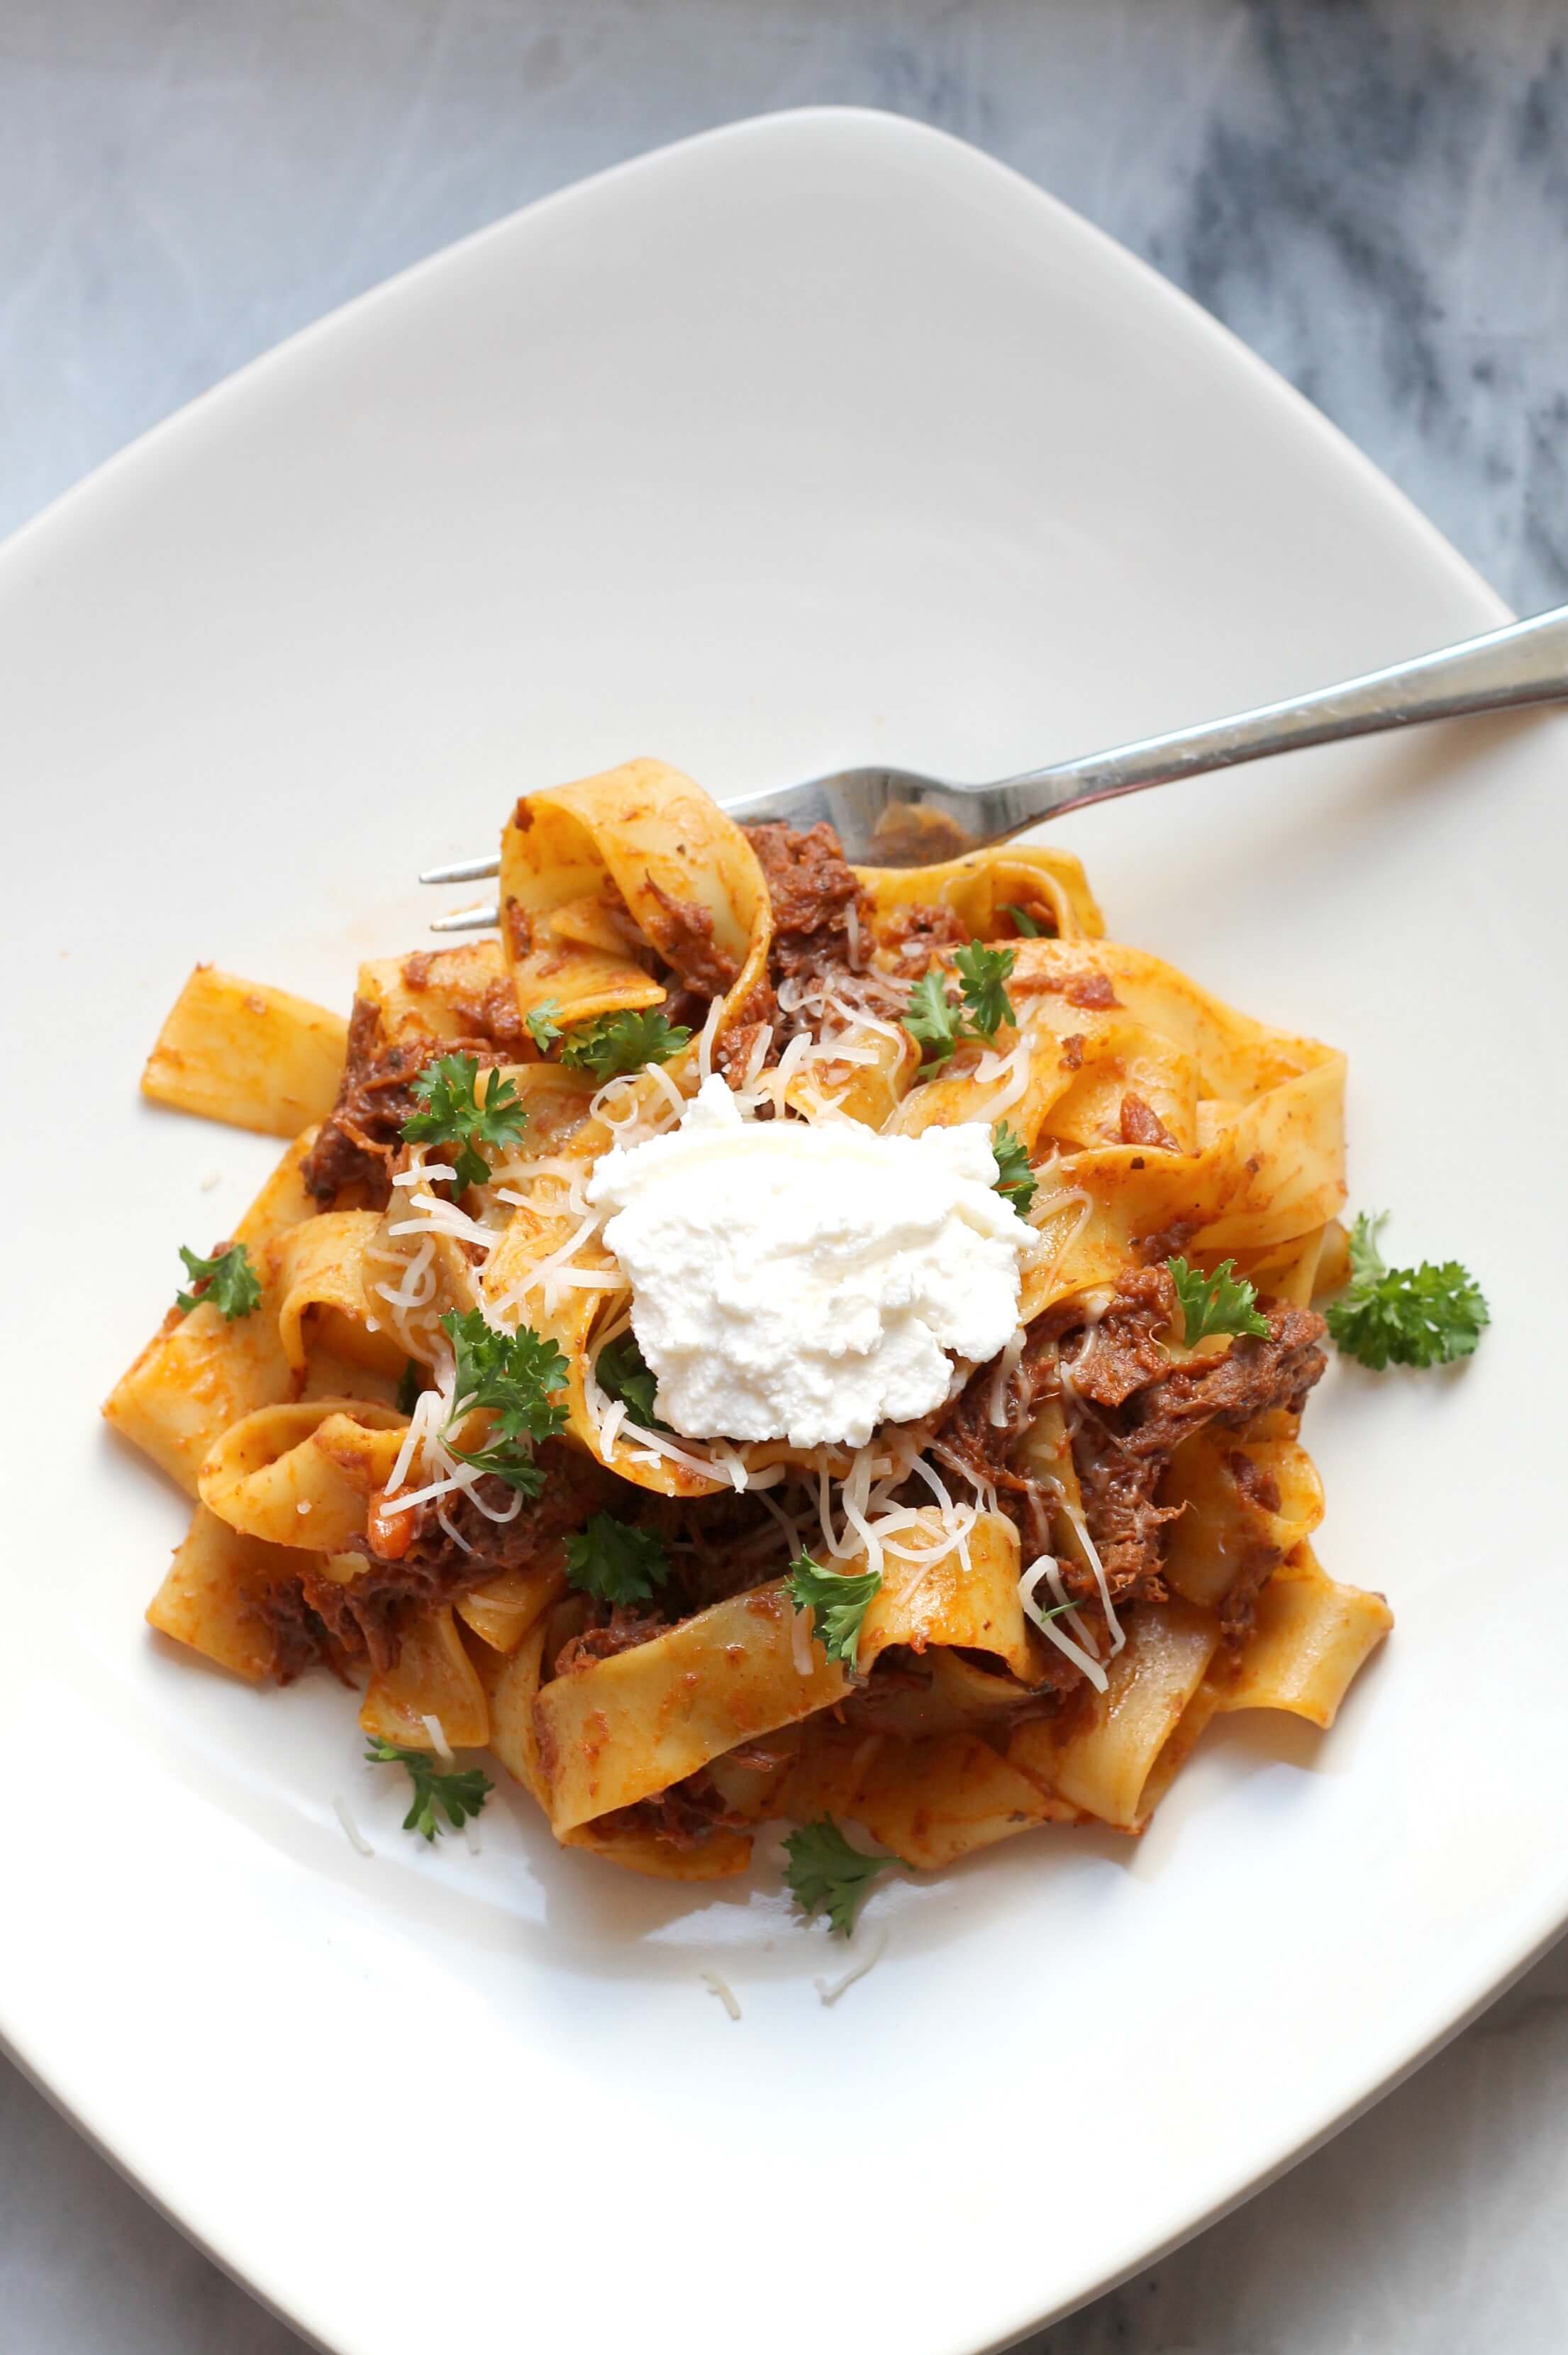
(1375,195)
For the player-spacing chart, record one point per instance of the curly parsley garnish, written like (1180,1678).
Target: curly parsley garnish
(982,976)
(612,1561)
(455,1114)
(623,1372)
(940,1024)
(227,1281)
(1221,1302)
(513,1377)
(1422,1315)
(541,1023)
(1014,1177)
(458,1795)
(837,1600)
(1028,927)
(614,1043)
(825,1873)
(932,1018)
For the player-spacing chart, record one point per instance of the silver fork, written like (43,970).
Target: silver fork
(897,817)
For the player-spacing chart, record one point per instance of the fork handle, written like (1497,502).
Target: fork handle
(1527,662)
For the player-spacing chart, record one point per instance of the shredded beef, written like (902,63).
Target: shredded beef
(1120,1354)
(358,1142)
(686,1815)
(353,1156)
(622,1631)
(916,936)
(1167,1242)
(688,945)
(1141,1124)
(299,1638)
(1121,1445)
(966,1439)
(1129,1408)
(1073,1052)
(812,890)
(361,1618)
(1258,1564)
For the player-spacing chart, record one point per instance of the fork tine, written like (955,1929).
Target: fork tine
(463,870)
(480,919)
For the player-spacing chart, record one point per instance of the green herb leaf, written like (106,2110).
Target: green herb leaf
(618,1564)
(621,1042)
(455,1114)
(837,1601)
(1422,1315)
(1221,1302)
(458,1795)
(1072,1603)
(622,1372)
(932,1018)
(825,1872)
(541,1023)
(227,1281)
(1014,1177)
(411,1382)
(982,976)
(1023,920)
(514,1377)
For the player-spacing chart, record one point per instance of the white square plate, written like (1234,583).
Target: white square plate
(822,439)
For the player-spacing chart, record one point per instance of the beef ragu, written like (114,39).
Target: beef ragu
(922,1612)
(1128,1407)
(343,1622)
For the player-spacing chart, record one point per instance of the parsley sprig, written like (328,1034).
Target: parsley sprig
(612,1561)
(826,1874)
(458,1795)
(1221,1302)
(227,1281)
(541,1023)
(1423,1316)
(623,1372)
(1026,924)
(932,1019)
(982,976)
(513,1377)
(455,1114)
(940,1024)
(1014,1178)
(838,1601)
(614,1043)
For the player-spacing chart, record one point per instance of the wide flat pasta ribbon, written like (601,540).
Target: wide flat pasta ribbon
(640,839)
(302,1476)
(620,1729)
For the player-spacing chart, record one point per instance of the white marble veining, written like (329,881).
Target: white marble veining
(1374,193)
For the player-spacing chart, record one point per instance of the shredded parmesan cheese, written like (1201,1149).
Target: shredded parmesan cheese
(830,1991)
(722,1989)
(352,1832)
(1052,1628)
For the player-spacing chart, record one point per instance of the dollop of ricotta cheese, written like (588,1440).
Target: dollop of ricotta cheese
(808,1283)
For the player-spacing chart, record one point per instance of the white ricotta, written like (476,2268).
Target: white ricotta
(806,1283)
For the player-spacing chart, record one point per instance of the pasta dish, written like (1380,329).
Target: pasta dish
(761,1341)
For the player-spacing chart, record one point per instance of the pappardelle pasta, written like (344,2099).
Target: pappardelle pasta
(760,1340)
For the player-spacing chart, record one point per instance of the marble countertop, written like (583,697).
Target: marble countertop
(1373,195)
